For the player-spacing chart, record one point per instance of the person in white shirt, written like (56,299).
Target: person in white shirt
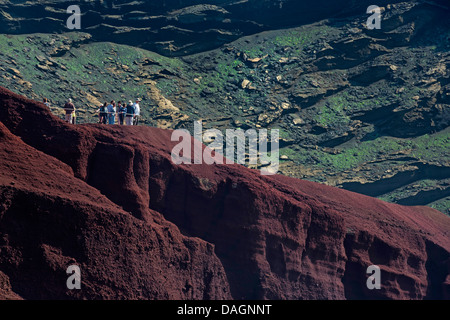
(137,112)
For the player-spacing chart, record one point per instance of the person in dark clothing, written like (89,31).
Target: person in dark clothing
(103,113)
(122,110)
(130,114)
(69,108)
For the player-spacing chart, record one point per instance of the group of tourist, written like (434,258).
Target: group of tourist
(127,114)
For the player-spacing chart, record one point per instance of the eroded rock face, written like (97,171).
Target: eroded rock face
(49,220)
(172,27)
(102,197)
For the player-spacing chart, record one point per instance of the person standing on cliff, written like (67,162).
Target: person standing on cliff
(112,112)
(45,101)
(102,113)
(130,114)
(69,108)
(137,112)
(121,110)
(74,116)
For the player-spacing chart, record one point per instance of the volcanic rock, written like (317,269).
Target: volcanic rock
(110,200)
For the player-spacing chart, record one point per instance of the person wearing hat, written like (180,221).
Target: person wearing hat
(129,114)
(137,112)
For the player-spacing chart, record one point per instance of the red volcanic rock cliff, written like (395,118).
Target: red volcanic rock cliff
(109,199)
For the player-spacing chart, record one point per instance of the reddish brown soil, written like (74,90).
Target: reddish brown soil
(109,199)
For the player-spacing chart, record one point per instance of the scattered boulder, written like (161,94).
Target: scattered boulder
(245,84)
(14,71)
